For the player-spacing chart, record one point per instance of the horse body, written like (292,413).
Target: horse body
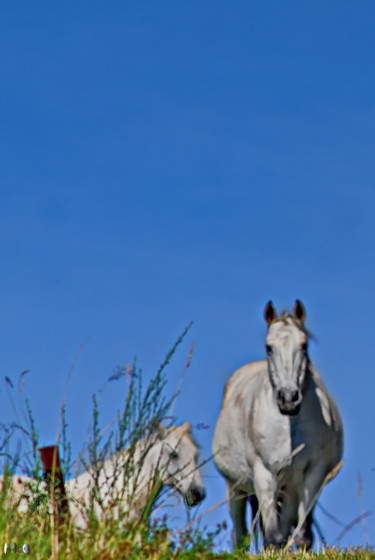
(167,458)
(278,436)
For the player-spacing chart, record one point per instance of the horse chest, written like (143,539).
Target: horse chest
(273,442)
(279,441)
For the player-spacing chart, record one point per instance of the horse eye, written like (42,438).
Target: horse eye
(268,348)
(173,454)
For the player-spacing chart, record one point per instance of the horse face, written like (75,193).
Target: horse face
(179,462)
(287,357)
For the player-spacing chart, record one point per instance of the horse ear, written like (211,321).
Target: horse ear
(161,430)
(269,313)
(299,311)
(186,427)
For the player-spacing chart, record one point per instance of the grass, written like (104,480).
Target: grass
(109,537)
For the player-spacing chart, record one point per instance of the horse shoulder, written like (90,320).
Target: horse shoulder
(269,432)
(241,380)
(232,447)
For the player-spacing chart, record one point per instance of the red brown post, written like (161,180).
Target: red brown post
(54,477)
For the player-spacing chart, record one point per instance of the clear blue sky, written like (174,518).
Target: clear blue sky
(162,162)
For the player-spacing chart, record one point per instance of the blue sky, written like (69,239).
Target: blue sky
(167,162)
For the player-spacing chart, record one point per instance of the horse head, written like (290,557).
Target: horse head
(287,356)
(178,463)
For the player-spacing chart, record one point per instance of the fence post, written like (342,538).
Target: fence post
(55,481)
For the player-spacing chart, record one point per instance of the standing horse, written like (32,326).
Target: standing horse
(128,482)
(279,435)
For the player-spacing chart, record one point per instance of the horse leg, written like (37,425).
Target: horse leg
(266,492)
(312,488)
(287,506)
(237,510)
(304,538)
(257,523)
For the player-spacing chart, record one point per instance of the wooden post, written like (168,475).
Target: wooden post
(55,480)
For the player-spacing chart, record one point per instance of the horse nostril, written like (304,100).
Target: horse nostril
(281,396)
(295,396)
(197,495)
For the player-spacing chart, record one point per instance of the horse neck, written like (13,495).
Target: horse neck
(144,455)
(147,483)
(311,380)
(308,381)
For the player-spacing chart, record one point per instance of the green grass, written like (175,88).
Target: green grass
(106,540)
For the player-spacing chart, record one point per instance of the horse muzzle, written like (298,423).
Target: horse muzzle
(289,402)
(195,495)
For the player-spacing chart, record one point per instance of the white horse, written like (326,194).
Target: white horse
(130,481)
(279,435)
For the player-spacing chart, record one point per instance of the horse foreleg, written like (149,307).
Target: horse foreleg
(304,537)
(266,488)
(257,523)
(237,510)
(303,534)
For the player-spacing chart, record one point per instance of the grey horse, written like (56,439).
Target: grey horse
(279,436)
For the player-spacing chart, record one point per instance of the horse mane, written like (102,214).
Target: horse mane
(287,315)
(188,432)
(193,440)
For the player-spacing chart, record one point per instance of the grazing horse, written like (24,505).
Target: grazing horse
(279,435)
(130,481)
